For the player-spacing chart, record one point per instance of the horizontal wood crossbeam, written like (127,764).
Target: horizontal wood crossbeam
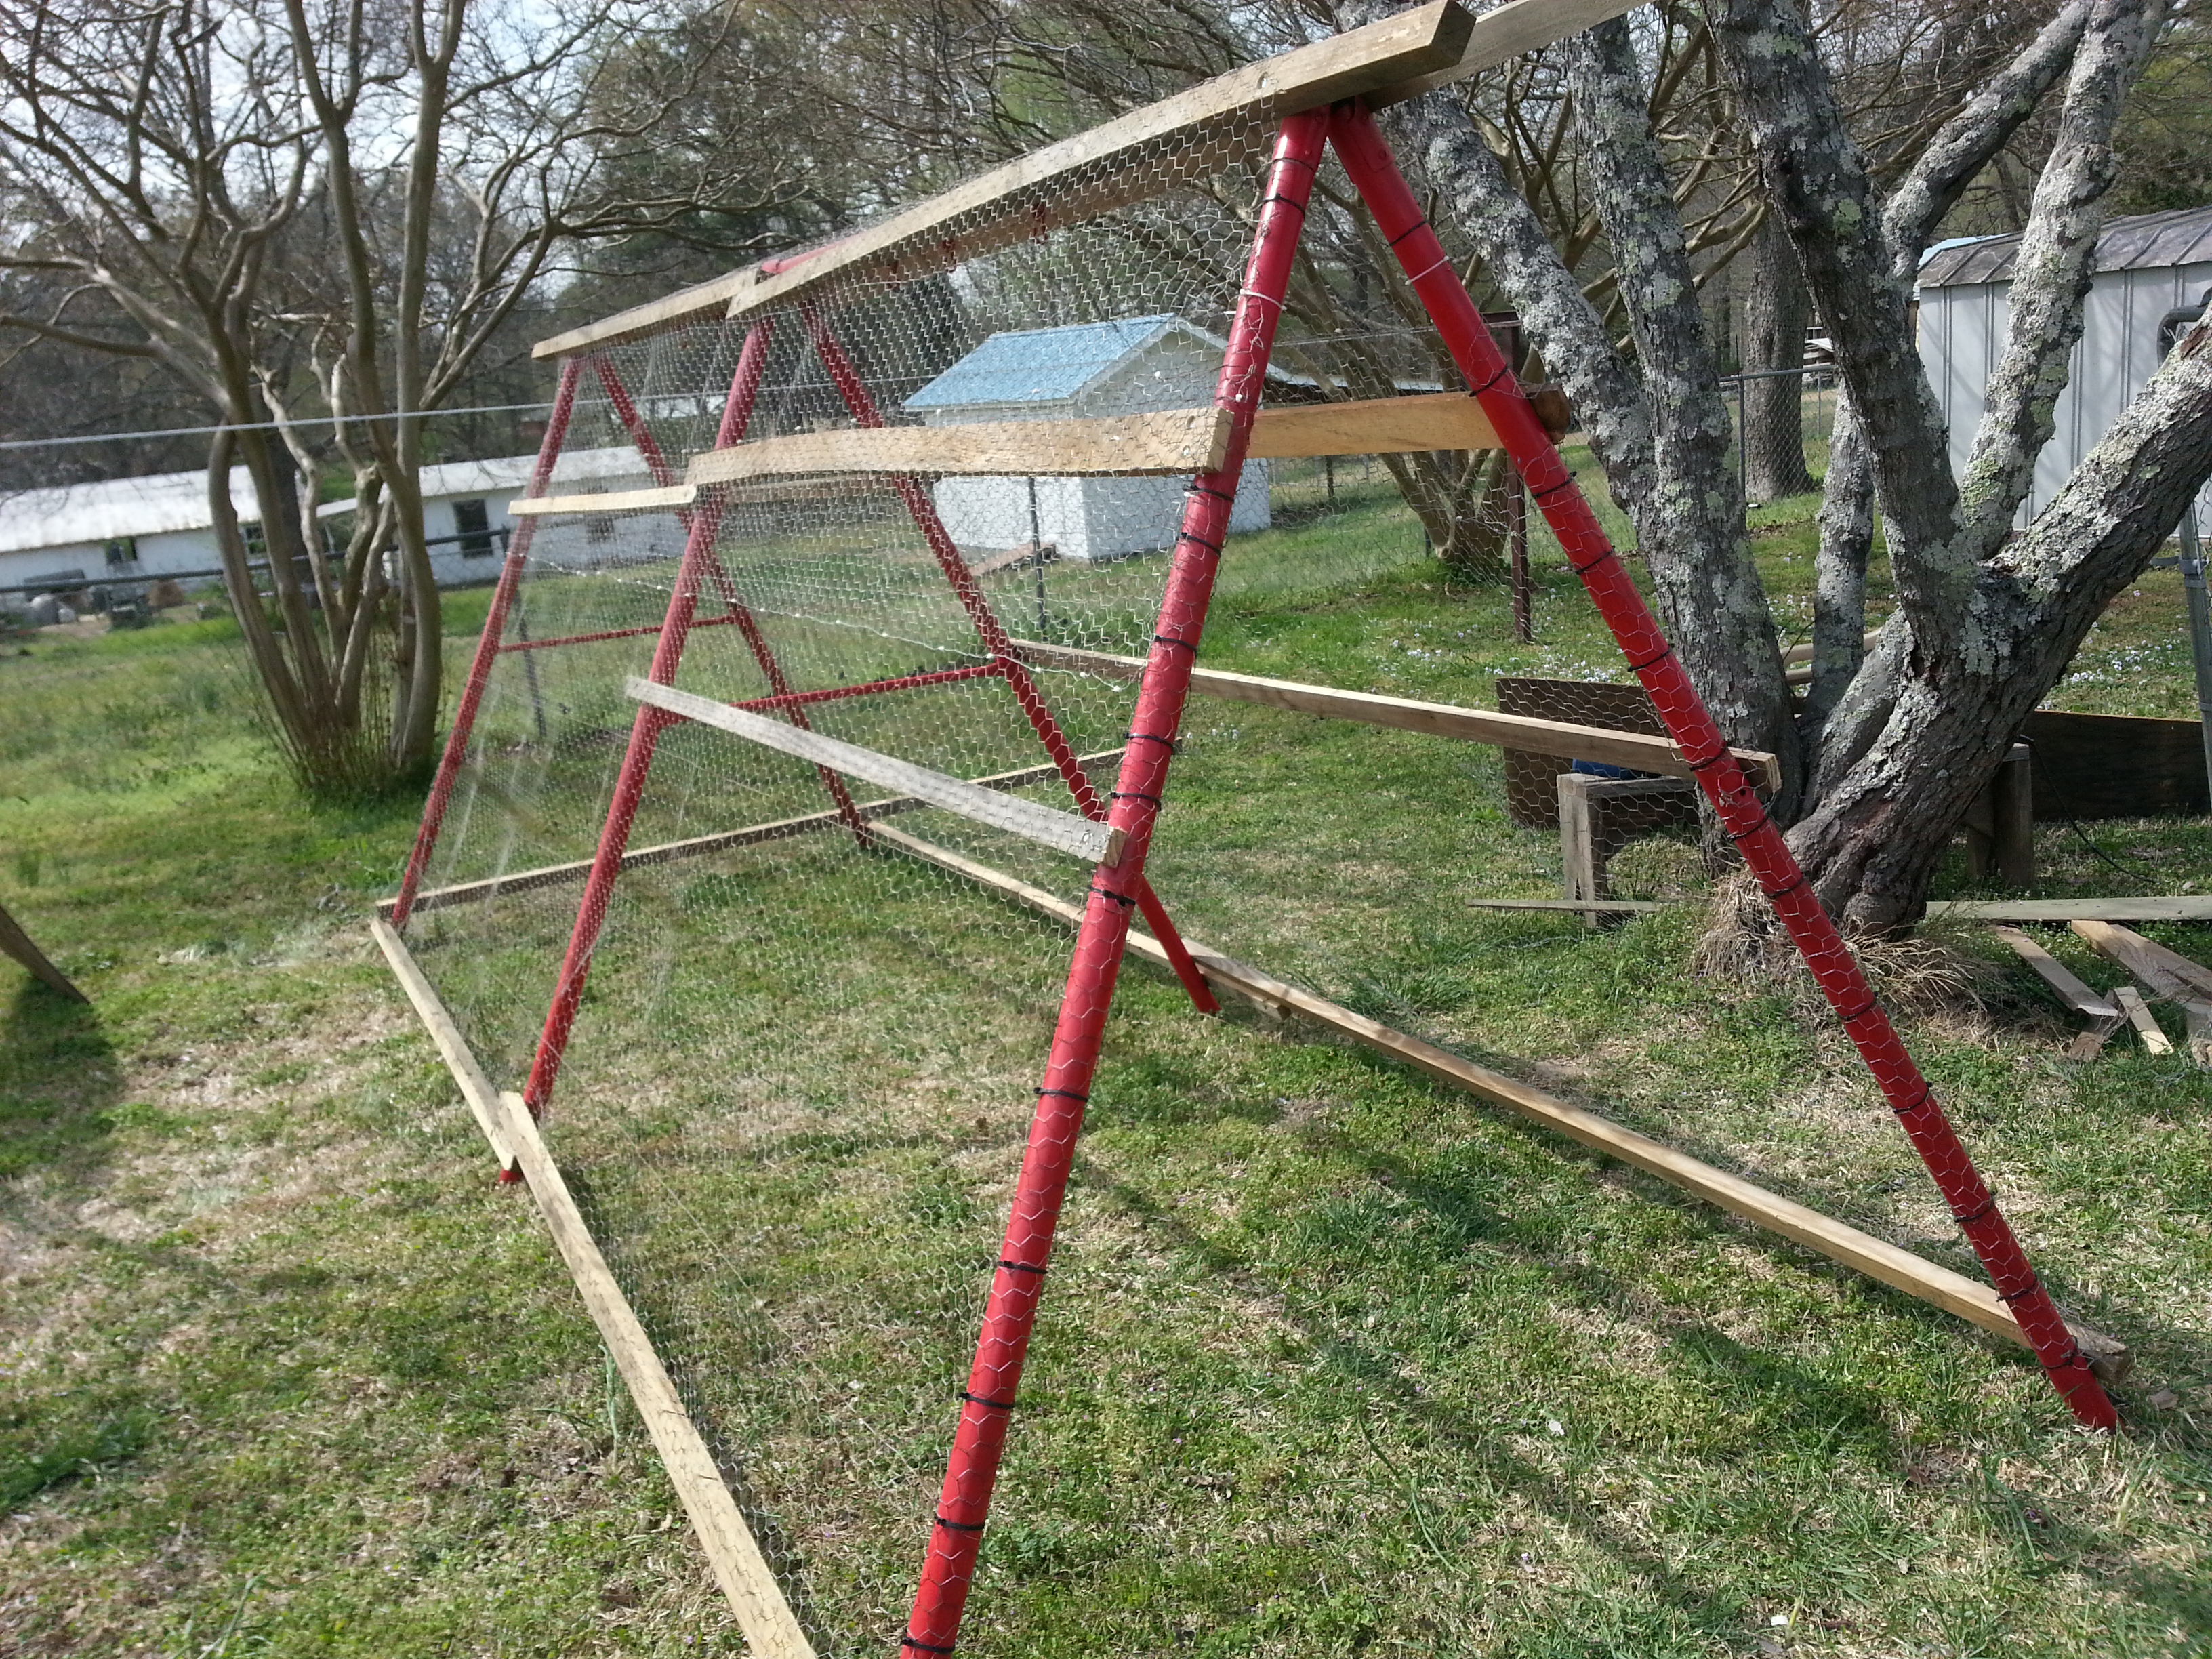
(1063,832)
(1955,1293)
(561,875)
(2181,907)
(1170,442)
(1521,731)
(1374,426)
(1386,61)
(670,499)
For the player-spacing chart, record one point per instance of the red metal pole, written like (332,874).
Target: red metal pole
(637,758)
(923,510)
(488,646)
(752,362)
(1374,172)
(963,1505)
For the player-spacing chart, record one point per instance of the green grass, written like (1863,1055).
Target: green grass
(1334,1362)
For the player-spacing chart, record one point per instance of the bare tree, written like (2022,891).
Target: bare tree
(1887,762)
(304,210)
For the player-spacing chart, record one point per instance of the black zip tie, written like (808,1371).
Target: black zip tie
(1925,1097)
(1584,570)
(1149,737)
(1021,1266)
(1784,892)
(1135,794)
(1864,1009)
(1067,1094)
(1650,662)
(1418,224)
(1741,836)
(1210,547)
(954,1526)
(1988,1205)
(1207,489)
(1170,639)
(981,1399)
(1566,483)
(1126,903)
(2020,1295)
(1285,201)
(926,1647)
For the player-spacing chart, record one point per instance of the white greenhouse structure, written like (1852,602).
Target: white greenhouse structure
(1085,371)
(2148,267)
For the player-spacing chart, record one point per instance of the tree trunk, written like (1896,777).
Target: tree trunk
(1775,311)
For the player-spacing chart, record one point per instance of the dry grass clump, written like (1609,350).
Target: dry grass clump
(1926,973)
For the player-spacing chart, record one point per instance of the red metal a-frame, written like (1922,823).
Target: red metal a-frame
(1118,890)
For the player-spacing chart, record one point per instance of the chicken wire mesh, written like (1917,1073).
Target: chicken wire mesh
(793,1090)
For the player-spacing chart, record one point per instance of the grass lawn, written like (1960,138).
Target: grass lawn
(1334,1361)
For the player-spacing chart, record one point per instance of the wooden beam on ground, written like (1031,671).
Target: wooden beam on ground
(1624,907)
(770,1628)
(701,302)
(1081,177)
(762,1613)
(2187,907)
(18,944)
(2058,976)
(1167,442)
(1440,720)
(2155,1040)
(476,1088)
(1970,1299)
(1374,426)
(2172,975)
(667,852)
(619,500)
(1063,832)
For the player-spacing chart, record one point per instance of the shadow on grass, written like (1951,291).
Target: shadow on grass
(59,1083)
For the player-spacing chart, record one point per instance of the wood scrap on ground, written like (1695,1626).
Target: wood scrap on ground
(2167,975)
(2103,1014)
(14,942)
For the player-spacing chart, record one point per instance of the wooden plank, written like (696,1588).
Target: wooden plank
(699,303)
(2060,978)
(770,1628)
(2154,1041)
(1630,906)
(2115,766)
(1374,426)
(1506,32)
(1064,832)
(19,944)
(1968,1298)
(1625,749)
(1078,177)
(1170,441)
(619,500)
(476,1088)
(2171,974)
(2187,907)
(667,852)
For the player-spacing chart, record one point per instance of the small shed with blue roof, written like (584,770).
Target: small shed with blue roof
(1081,371)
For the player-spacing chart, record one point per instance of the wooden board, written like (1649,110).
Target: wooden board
(476,1088)
(770,1628)
(557,875)
(18,944)
(2115,766)
(1440,720)
(2171,974)
(1506,32)
(699,303)
(2058,976)
(1170,442)
(619,500)
(1627,907)
(2184,907)
(1970,1299)
(1374,426)
(1063,832)
(2154,1041)
(1080,177)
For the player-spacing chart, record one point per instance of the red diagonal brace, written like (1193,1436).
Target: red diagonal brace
(1374,171)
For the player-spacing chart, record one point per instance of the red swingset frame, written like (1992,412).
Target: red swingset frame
(1118,890)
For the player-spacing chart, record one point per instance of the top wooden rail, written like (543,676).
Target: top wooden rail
(1386,62)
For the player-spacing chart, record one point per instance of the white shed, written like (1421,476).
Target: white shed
(2147,266)
(1082,371)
